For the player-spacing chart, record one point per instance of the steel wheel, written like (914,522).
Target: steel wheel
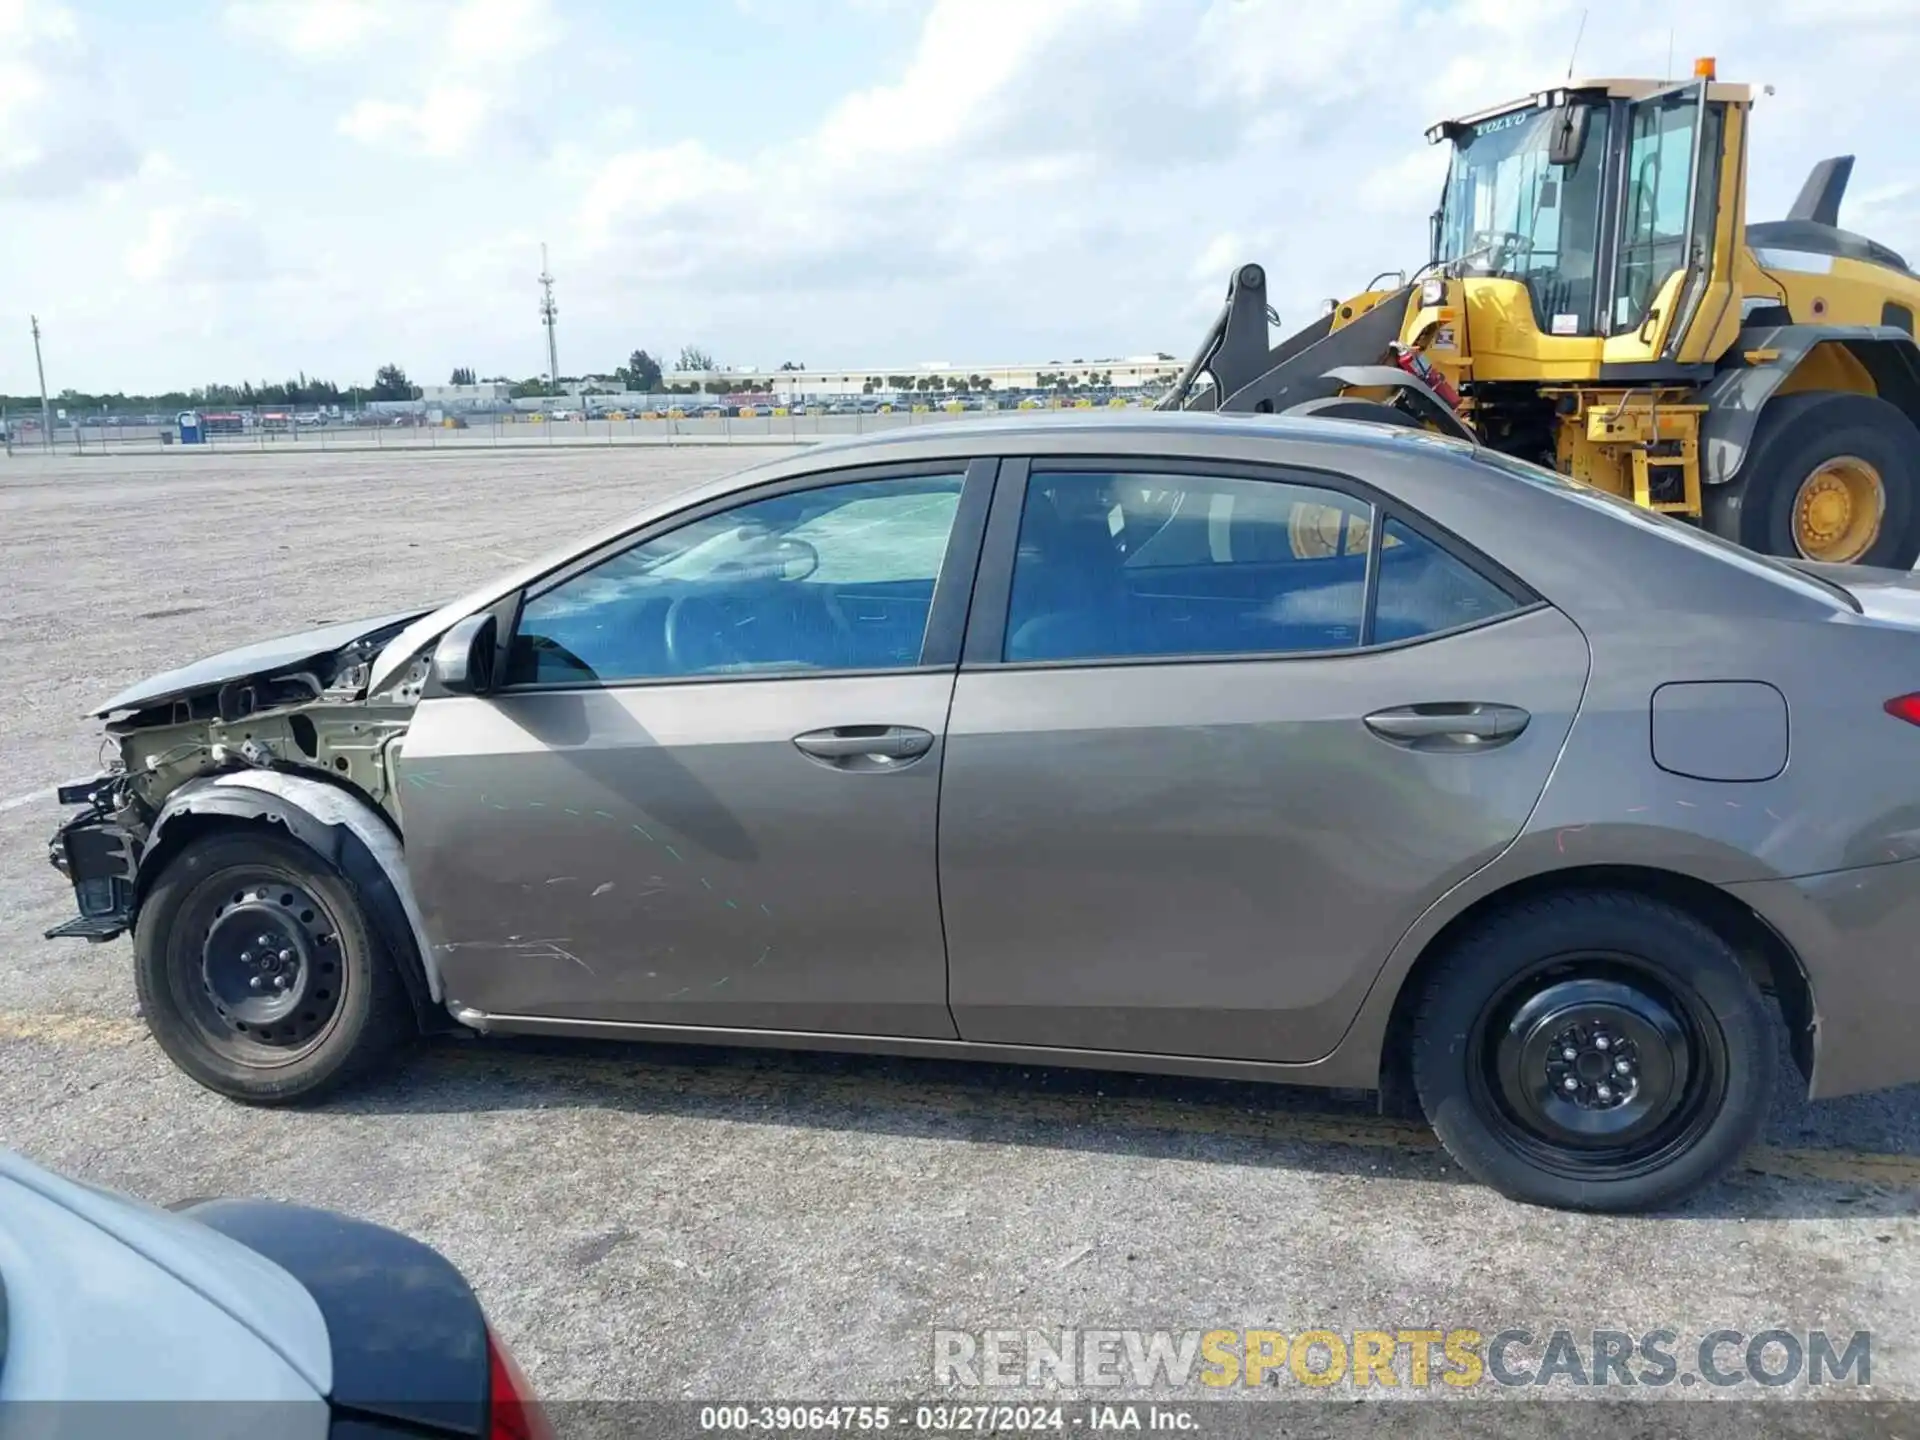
(269,981)
(1592,1066)
(1838,510)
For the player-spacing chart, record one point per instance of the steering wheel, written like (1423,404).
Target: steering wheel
(698,626)
(1499,246)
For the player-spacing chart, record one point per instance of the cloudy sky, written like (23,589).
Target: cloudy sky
(195,190)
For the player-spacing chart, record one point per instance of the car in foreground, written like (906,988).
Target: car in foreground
(233,1317)
(1294,750)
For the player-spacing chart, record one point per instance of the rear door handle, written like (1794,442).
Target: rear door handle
(849,746)
(1449,725)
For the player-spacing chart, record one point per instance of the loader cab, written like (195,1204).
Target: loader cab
(1587,225)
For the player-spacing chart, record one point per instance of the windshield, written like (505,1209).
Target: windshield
(1508,211)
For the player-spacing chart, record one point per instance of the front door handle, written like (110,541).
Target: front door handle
(868,746)
(1449,725)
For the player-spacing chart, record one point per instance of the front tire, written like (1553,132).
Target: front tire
(1596,1051)
(1830,476)
(258,973)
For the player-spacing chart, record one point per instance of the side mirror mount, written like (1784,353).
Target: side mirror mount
(1569,135)
(463,661)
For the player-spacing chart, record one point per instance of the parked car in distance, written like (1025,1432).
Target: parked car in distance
(1299,750)
(237,1317)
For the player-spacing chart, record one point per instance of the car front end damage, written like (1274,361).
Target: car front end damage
(297,708)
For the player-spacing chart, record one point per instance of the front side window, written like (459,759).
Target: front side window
(839,577)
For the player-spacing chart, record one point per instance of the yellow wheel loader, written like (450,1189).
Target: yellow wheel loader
(1596,302)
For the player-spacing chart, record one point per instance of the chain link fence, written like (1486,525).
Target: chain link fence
(675,420)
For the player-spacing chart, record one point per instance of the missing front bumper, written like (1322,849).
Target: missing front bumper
(97,857)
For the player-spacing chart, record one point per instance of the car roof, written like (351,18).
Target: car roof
(1108,428)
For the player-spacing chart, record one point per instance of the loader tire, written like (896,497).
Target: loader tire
(1830,476)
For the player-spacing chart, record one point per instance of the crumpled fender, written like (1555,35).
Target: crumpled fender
(336,824)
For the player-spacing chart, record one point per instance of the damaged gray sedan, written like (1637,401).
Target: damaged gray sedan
(1285,750)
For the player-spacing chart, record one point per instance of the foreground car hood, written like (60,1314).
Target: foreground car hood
(259,658)
(109,1298)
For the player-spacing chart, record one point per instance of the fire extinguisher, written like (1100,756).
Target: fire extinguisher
(1416,364)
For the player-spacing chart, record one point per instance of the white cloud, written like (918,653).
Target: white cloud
(59,131)
(206,241)
(444,74)
(442,123)
(315,29)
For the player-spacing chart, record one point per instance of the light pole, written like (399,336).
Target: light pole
(46,411)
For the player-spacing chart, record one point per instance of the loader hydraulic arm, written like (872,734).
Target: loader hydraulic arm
(1314,364)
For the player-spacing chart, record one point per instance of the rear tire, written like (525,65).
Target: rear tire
(258,973)
(1593,1051)
(1796,436)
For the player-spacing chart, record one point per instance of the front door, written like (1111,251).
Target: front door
(1208,760)
(706,793)
(1666,218)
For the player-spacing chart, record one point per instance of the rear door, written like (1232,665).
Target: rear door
(1221,732)
(706,793)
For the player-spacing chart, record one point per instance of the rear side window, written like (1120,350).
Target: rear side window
(1115,565)
(1423,589)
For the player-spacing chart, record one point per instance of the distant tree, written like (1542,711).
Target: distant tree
(641,372)
(692,357)
(462,375)
(389,383)
(532,388)
(793,364)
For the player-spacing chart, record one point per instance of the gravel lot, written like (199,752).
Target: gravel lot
(655,1223)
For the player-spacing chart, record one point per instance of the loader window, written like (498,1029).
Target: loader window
(1509,211)
(1660,193)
